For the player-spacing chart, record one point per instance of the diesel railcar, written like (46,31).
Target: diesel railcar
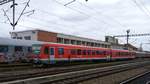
(54,53)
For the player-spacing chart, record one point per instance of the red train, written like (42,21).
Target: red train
(54,53)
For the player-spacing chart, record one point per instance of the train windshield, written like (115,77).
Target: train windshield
(3,48)
(36,49)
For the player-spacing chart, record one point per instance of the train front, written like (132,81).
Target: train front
(36,53)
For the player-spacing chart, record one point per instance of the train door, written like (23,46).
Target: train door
(108,54)
(52,55)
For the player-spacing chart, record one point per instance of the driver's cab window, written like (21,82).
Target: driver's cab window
(46,50)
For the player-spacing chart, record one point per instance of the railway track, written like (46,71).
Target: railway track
(36,72)
(81,75)
(14,67)
(143,78)
(20,65)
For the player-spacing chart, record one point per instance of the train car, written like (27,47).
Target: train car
(12,50)
(54,53)
(122,54)
(143,54)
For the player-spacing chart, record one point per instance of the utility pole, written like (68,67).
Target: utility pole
(128,31)
(13,24)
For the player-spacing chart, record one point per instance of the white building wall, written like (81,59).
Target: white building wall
(32,34)
(81,39)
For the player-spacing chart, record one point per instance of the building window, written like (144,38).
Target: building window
(19,37)
(78,42)
(66,41)
(14,37)
(33,32)
(73,42)
(59,40)
(27,37)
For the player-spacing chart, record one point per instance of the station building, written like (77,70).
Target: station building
(47,36)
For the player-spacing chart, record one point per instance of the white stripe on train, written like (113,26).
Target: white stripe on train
(102,58)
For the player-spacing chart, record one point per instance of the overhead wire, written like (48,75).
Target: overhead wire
(148,11)
(140,7)
(69,8)
(98,12)
(43,20)
(95,19)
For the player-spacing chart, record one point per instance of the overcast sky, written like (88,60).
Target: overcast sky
(92,19)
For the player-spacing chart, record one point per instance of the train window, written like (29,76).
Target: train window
(97,52)
(88,52)
(120,53)
(60,51)
(46,50)
(84,52)
(93,52)
(29,49)
(18,48)
(104,53)
(36,49)
(73,52)
(51,51)
(3,48)
(79,51)
(101,52)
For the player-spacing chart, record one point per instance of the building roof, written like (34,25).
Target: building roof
(8,41)
(31,30)
(61,35)
(131,46)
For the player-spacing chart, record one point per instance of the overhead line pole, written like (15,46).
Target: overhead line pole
(13,24)
(128,31)
(14,15)
(131,35)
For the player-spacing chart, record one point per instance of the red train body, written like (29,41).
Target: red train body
(53,53)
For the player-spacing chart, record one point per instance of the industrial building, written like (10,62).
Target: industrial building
(46,36)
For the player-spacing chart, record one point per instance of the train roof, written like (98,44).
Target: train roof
(9,41)
(75,45)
